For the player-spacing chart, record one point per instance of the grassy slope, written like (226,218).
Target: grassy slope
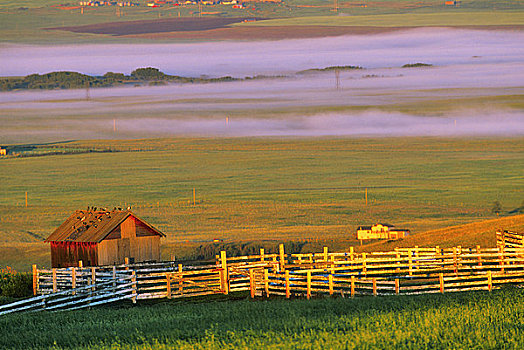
(252,189)
(402,20)
(468,235)
(478,320)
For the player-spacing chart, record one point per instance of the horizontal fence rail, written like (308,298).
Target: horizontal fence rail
(402,271)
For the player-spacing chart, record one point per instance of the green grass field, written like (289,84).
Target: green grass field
(259,189)
(475,320)
(402,20)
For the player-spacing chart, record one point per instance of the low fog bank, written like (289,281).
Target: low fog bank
(365,124)
(438,46)
(355,88)
(372,123)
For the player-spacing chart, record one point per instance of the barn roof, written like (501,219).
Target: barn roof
(92,226)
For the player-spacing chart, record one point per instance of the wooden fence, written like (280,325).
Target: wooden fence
(121,285)
(401,271)
(509,239)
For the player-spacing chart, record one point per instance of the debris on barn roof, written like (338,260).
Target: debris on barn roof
(92,225)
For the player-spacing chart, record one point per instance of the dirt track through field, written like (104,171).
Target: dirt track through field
(214,28)
(186,24)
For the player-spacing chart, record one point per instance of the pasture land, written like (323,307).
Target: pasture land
(402,20)
(456,320)
(26,21)
(310,191)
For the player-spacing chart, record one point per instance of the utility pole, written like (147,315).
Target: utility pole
(87,91)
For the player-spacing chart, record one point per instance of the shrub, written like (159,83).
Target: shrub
(14,284)
(415,65)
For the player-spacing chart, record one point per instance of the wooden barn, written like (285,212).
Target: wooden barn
(101,237)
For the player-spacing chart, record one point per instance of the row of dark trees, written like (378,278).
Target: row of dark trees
(74,80)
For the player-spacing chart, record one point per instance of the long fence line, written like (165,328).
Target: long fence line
(401,271)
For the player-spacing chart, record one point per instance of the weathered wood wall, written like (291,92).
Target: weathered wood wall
(135,241)
(67,254)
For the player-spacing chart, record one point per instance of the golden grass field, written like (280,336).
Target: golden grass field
(309,190)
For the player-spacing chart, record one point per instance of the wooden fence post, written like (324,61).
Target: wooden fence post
(351,252)
(93,278)
(225,277)
(135,289)
(374,287)
(308,295)
(54,281)
(410,262)
(441,282)
(35,280)
(479,258)
(282,257)
(459,257)
(80,264)
(180,280)
(364,267)
(352,286)
(326,254)
(288,291)
(114,279)
(266,282)
(168,285)
(455,262)
(73,279)
(126,262)
(417,260)
(397,256)
(252,287)
(262,257)
(330,283)
(501,258)
(490,281)
(397,286)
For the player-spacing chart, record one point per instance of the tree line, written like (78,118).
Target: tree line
(75,80)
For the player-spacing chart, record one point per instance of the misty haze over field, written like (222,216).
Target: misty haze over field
(474,88)
(439,46)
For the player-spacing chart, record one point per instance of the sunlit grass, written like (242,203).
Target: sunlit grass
(260,189)
(479,320)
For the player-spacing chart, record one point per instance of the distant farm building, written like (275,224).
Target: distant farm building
(101,237)
(381,231)
(3,151)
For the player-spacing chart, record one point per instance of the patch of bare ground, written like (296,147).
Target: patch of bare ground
(217,28)
(183,24)
(468,235)
(269,33)
(292,32)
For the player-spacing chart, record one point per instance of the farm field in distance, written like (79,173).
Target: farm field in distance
(29,21)
(310,190)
